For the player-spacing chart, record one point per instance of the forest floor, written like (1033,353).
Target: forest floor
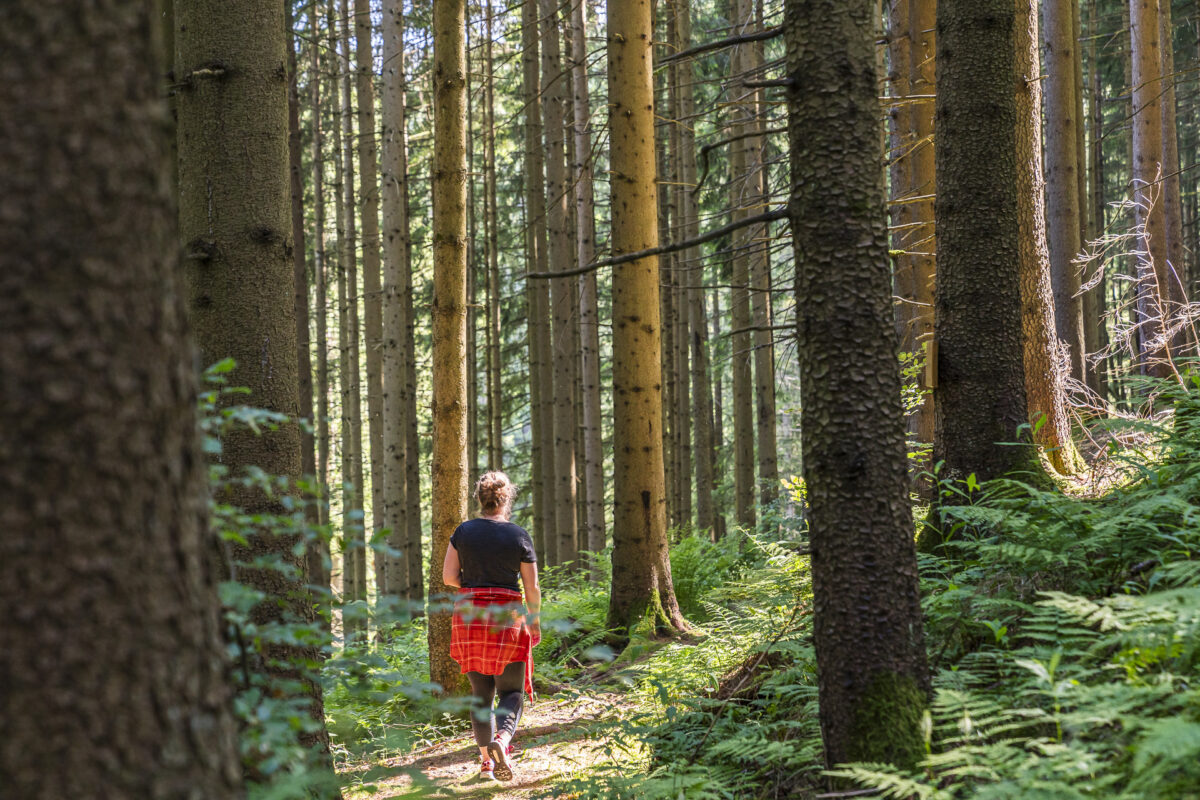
(559,737)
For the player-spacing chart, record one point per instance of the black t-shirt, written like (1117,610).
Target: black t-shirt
(490,553)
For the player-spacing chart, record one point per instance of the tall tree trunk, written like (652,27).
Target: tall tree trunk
(980,389)
(589,312)
(319,558)
(872,676)
(354,567)
(394,168)
(449,314)
(1172,202)
(308,456)
(692,276)
(538,296)
(760,292)
(1098,341)
(235,229)
(744,188)
(495,385)
(922,177)
(472,282)
(1062,188)
(1154,277)
(111,650)
(1045,392)
(720,527)
(641,583)
(368,197)
(561,289)
(900,144)
(681,412)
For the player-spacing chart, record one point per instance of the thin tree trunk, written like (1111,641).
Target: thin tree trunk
(760,295)
(368,197)
(1045,392)
(745,193)
(872,675)
(308,457)
(980,374)
(111,648)
(394,168)
(1062,188)
(472,281)
(319,560)
(560,258)
(719,443)
(354,580)
(1154,278)
(1172,202)
(1096,175)
(900,130)
(681,412)
(641,584)
(235,229)
(495,386)
(589,313)
(922,176)
(538,296)
(449,315)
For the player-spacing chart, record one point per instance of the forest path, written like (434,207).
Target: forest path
(559,737)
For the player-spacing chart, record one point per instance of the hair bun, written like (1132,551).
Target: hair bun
(495,491)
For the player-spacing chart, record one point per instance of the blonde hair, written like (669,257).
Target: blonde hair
(495,492)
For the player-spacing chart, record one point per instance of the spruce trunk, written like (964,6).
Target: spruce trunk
(1045,378)
(872,676)
(236,233)
(111,648)
(1062,189)
(641,584)
(980,377)
(449,316)
(394,172)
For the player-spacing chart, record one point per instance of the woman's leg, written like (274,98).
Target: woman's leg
(483,689)
(510,686)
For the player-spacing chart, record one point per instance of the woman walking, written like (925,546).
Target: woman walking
(493,636)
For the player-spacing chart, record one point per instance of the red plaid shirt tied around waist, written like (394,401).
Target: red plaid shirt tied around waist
(489,632)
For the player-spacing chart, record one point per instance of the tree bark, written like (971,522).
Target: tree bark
(589,313)
(354,564)
(1154,277)
(319,558)
(396,240)
(308,456)
(236,232)
(744,187)
(641,584)
(538,297)
(1097,341)
(1062,188)
(449,315)
(111,650)
(922,177)
(1172,202)
(368,198)
(872,676)
(560,258)
(980,390)
(495,384)
(1045,392)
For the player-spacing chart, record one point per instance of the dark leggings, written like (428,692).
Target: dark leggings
(510,685)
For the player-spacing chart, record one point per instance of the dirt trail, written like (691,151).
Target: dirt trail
(557,739)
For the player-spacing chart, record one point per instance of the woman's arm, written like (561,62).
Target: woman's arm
(451,569)
(533,596)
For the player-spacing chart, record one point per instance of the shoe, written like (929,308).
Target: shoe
(499,753)
(487,770)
